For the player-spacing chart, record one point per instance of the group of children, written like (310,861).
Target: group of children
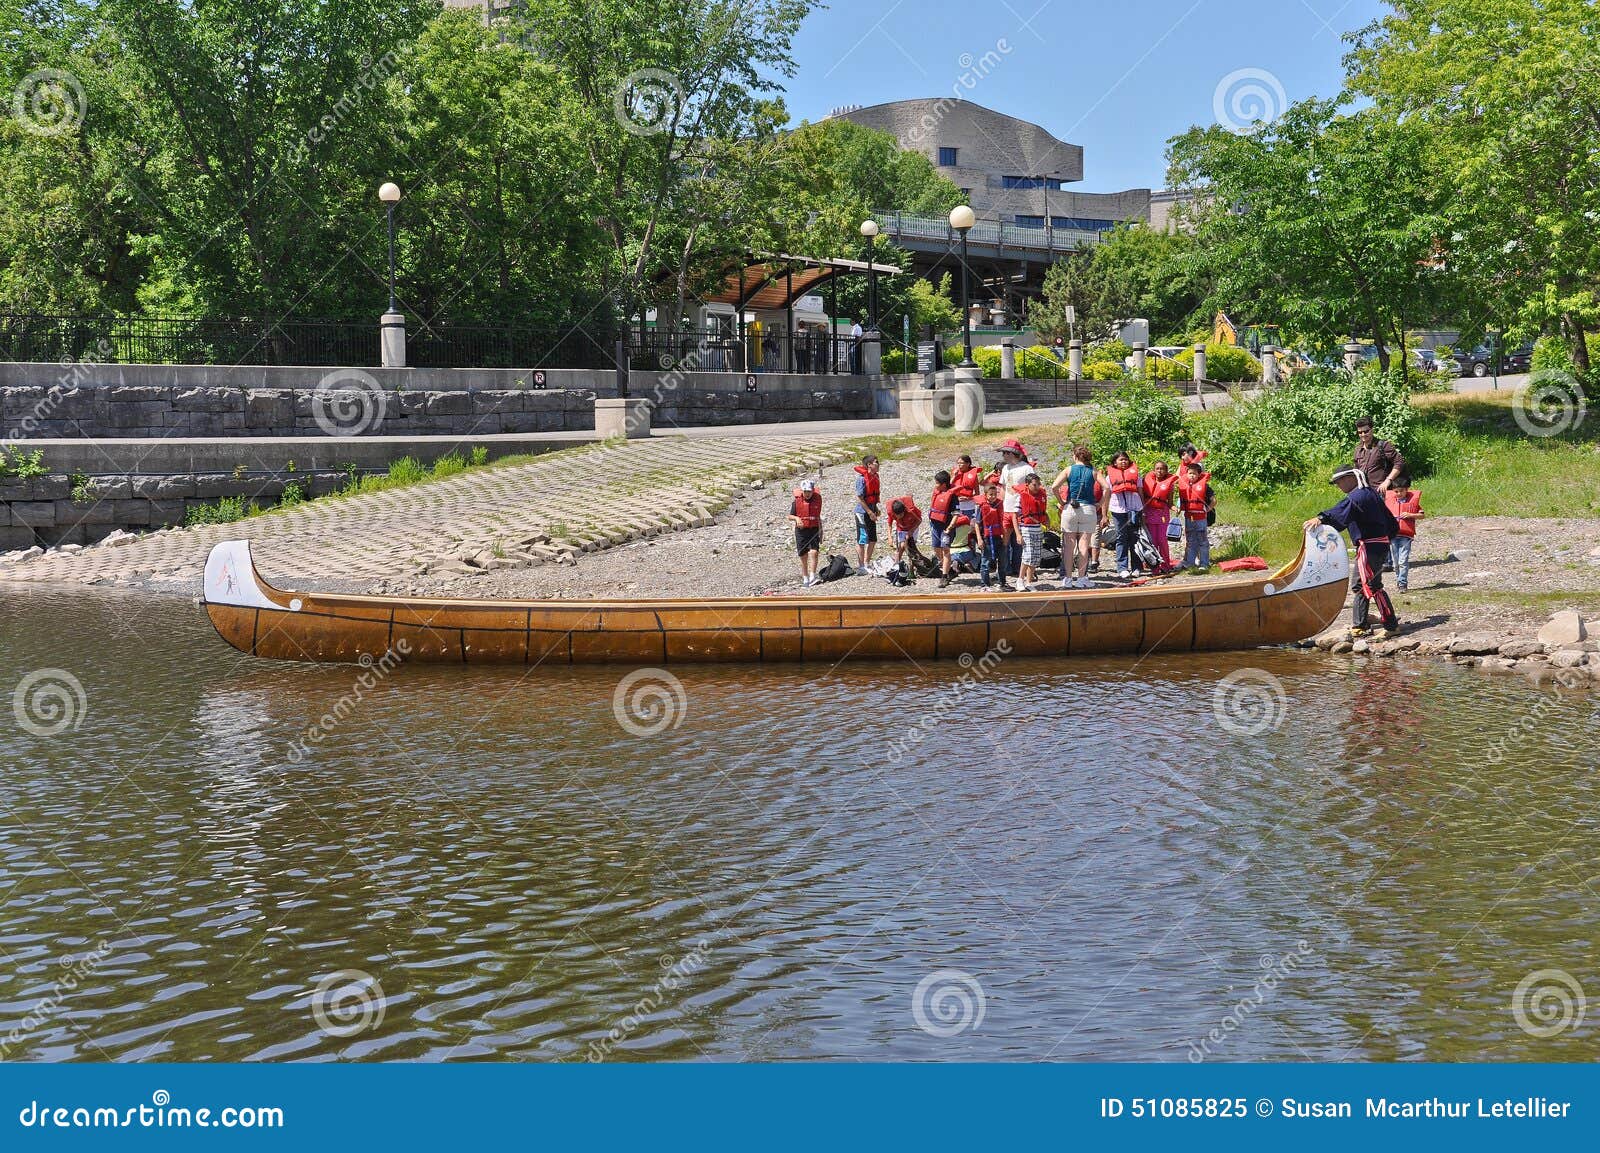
(994,520)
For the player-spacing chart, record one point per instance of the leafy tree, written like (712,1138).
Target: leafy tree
(1509,91)
(1328,222)
(653,91)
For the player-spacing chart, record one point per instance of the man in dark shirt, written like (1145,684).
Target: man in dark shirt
(1378,459)
(1371,526)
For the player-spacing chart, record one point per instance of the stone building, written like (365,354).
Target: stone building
(1012,171)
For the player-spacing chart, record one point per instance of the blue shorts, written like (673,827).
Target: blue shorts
(941,535)
(866,530)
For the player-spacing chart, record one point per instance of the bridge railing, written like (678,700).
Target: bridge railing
(996,234)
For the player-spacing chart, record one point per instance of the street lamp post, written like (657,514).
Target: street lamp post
(961,219)
(869,229)
(392,328)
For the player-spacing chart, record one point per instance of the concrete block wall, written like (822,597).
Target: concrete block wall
(42,511)
(122,401)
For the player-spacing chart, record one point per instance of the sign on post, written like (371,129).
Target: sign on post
(538,378)
(927,353)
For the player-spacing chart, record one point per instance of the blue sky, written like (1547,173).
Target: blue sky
(1119,77)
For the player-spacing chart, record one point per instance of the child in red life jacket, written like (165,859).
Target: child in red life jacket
(991,524)
(806,513)
(967,479)
(1032,512)
(1195,496)
(1405,503)
(904,517)
(868,486)
(1157,488)
(941,514)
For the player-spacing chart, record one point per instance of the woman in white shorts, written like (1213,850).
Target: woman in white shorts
(1081,517)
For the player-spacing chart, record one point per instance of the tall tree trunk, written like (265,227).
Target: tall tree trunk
(1580,343)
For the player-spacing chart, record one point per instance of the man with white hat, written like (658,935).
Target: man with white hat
(1014,470)
(1372,526)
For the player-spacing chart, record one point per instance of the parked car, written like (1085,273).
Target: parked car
(1481,360)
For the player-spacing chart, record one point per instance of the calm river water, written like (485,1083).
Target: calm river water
(1077,862)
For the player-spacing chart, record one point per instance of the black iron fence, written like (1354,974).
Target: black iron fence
(345,343)
(342,343)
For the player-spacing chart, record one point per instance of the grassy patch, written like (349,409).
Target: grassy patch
(1475,461)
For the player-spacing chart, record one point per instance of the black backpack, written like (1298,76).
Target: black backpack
(837,568)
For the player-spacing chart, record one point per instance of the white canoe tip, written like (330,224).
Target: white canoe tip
(231,577)
(1325,563)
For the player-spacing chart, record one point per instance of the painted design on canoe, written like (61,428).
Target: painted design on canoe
(1298,601)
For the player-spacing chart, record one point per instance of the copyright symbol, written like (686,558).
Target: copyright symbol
(1264,1107)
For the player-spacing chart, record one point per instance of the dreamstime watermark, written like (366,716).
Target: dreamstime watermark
(73,374)
(973,71)
(648,100)
(49,102)
(348,402)
(1274,971)
(932,720)
(1249,702)
(348,1002)
(1549,403)
(372,73)
(676,970)
(1247,99)
(373,673)
(948,1002)
(1533,720)
(48,702)
(648,702)
(76,969)
(1547,1003)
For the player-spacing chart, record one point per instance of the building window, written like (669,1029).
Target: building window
(1028,221)
(947,158)
(1032,182)
(1082,223)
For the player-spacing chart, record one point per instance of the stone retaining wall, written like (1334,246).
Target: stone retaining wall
(111,400)
(41,510)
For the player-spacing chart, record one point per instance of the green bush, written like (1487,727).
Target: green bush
(225,511)
(480,456)
(1278,437)
(448,466)
(1104,370)
(1224,362)
(986,357)
(1117,350)
(1139,418)
(897,361)
(1038,362)
(1161,368)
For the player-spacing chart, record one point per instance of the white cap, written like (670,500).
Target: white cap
(808,486)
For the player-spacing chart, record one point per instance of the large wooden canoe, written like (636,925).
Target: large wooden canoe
(1298,601)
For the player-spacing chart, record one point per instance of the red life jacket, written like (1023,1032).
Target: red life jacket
(992,517)
(1158,493)
(1412,503)
(1123,479)
(870,485)
(939,506)
(966,483)
(808,508)
(1031,506)
(912,517)
(1099,491)
(1195,498)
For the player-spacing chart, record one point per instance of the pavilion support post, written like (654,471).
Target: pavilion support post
(788,320)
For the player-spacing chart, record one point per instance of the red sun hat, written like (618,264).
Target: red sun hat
(1014,446)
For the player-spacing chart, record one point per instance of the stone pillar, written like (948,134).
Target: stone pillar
(928,409)
(1008,360)
(617,416)
(1199,363)
(1269,364)
(1075,359)
(872,352)
(1138,360)
(1352,356)
(968,400)
(392,339)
